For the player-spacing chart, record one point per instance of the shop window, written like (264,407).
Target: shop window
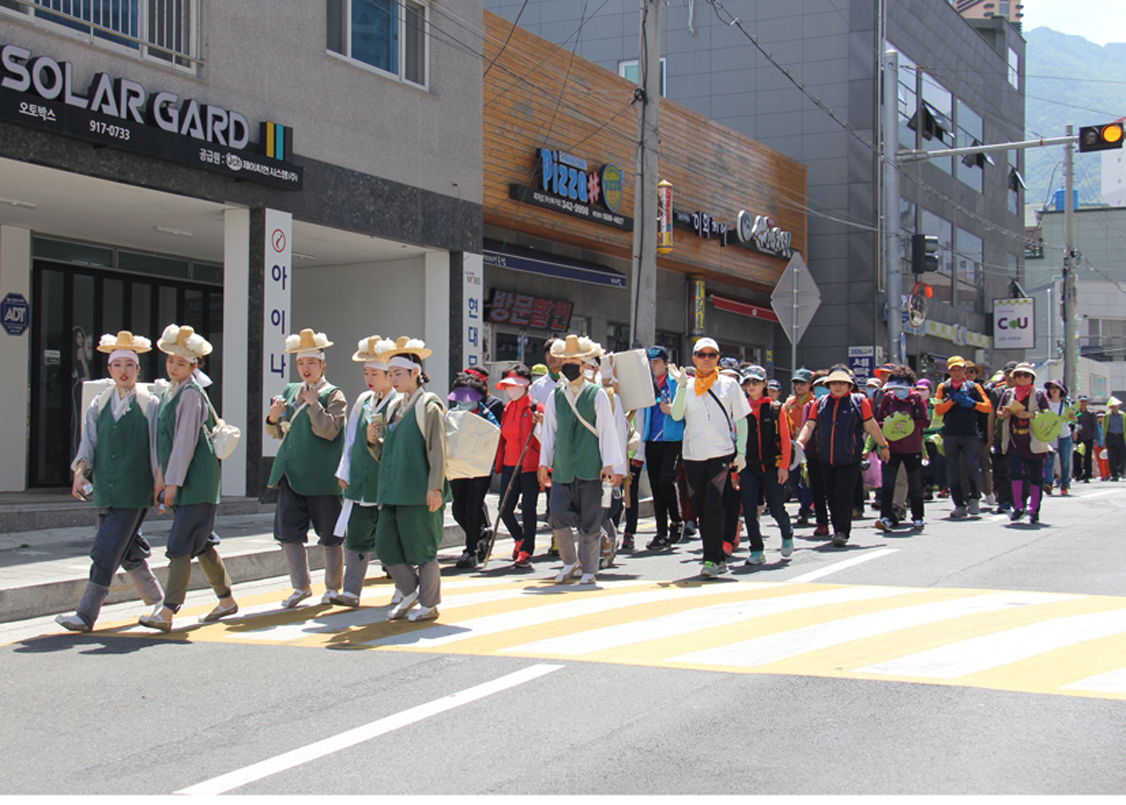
(387,35)
(63,251)
(628,69)
(969,266)
(152,265)
(971,167)
(941,280)
(159,29)
(617,338)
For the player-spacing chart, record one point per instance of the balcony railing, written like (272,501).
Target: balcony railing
(166,30)
(1104,349)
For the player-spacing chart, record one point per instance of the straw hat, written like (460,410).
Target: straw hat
(124,340)
(1114,401)
(306,341)
(183,342)
(840,376)
(369,349)
(595,354)
(574,347)
(405,345)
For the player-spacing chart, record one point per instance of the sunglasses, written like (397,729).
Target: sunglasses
(1022,374)
(711,356)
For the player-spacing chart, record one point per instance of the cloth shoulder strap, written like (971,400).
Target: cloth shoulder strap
(575,409)
(420,404)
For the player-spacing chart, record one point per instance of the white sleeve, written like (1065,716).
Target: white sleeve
(89,442)
(547,434)
(610,441)
(739,406)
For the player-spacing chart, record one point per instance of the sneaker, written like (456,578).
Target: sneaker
(1047,489)
(1016,514)
(714,569)
(822,530)
(917,525)
(689,529)
(975,507)
(523,559)
(677,533)
(728,548)
(1034,517)
(587,578)
(885,524)
(858,513)
(400,609)
(345,599)
(72,623)
(991,500)
(659,542)
(423,614)
(959,513)
(467,560)
(296,597)
(484,545)
(516,551)
(787,547)
(1064,491)
(627,542)
(803,517)
(756,558)
(1004,507)
(944,493)
(567,572)
(840,540)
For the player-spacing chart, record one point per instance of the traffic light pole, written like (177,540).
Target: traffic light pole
(1070,352)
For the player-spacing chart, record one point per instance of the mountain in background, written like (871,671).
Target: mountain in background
(1052,103)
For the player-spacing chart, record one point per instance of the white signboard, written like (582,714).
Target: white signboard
(277,293)
(862,362)
(1014,323)
(473,283)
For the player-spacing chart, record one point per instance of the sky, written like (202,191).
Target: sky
(1100,21)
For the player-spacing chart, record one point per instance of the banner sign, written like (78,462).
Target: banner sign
(42,92)
(473,283)
(523,310)
(277,293)
(1014,323)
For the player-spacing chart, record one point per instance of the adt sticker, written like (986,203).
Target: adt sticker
(15,313)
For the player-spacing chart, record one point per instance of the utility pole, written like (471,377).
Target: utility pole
(643,279)
(893,261)
(1070,353)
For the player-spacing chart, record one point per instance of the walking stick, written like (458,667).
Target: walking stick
(504,500)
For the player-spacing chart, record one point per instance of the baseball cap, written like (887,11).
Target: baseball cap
(774,384)
(704,343)
(657,351)
(803,375)
(754,372)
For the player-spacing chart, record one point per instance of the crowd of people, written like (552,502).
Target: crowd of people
(721,444)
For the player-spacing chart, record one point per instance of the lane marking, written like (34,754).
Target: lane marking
(1098,494)
(288,760)
(990,651)
(690,622)
(856,560)
(1110,682)
(792,643)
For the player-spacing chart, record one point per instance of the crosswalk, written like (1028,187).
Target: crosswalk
(1033,642)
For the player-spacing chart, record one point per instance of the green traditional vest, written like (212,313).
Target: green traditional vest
(576,449)
(201,484)
(308,461)
(122,475)
(404,470)
(363,469)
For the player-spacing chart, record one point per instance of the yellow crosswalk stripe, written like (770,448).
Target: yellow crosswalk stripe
(1062,644)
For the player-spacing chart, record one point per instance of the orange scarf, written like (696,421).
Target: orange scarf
(705,383)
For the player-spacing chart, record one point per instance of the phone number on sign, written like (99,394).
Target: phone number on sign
(120,132)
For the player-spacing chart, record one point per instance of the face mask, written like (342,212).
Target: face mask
(871,392)
(589,374)
(820,391)
(515,393)
(901,392)
(466,405)
(571,371)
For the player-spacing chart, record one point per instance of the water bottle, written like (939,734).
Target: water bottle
(87,489)
(607,494)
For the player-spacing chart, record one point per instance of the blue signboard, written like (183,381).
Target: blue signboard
(16,313)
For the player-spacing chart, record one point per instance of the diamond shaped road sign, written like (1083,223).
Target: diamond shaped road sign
(795,298)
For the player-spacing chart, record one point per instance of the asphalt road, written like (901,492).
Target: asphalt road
(975,657)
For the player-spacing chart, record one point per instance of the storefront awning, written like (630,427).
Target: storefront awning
(550,265)
(733,305)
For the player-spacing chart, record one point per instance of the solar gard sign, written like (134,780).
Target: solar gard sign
(1014,323)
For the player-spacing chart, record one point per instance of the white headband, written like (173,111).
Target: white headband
(516,380)
(376,365)
(124,353)
(403,362)
(311,353)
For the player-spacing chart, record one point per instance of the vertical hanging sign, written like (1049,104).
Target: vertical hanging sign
(277,295)
(664,217)
(697,293)
(473,280)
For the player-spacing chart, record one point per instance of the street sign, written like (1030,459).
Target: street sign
(862,362)
(795,298)
(15,314)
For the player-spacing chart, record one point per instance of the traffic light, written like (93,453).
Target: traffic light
(1100,138)
(924,253)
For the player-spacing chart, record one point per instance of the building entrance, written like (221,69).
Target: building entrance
(71,308)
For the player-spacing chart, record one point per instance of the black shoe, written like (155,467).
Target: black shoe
(467,560)
(658,543)
(627,542)
(676,533)
(803,517)
(484,544)
(1034,517)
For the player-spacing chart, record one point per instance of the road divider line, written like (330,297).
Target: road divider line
(856,560)
(1098,494)
(288,760)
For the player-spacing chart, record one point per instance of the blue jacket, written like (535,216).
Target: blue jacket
(674,429)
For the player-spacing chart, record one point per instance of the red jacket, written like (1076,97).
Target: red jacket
(516,424)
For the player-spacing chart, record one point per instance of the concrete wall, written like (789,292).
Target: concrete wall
(15,277)
(268,60)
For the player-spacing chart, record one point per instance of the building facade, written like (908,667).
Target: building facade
(960,81)
(559,214)
(249,168)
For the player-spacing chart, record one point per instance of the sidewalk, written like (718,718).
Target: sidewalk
(44,571)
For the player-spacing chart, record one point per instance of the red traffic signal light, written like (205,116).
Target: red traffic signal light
(1100,138)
